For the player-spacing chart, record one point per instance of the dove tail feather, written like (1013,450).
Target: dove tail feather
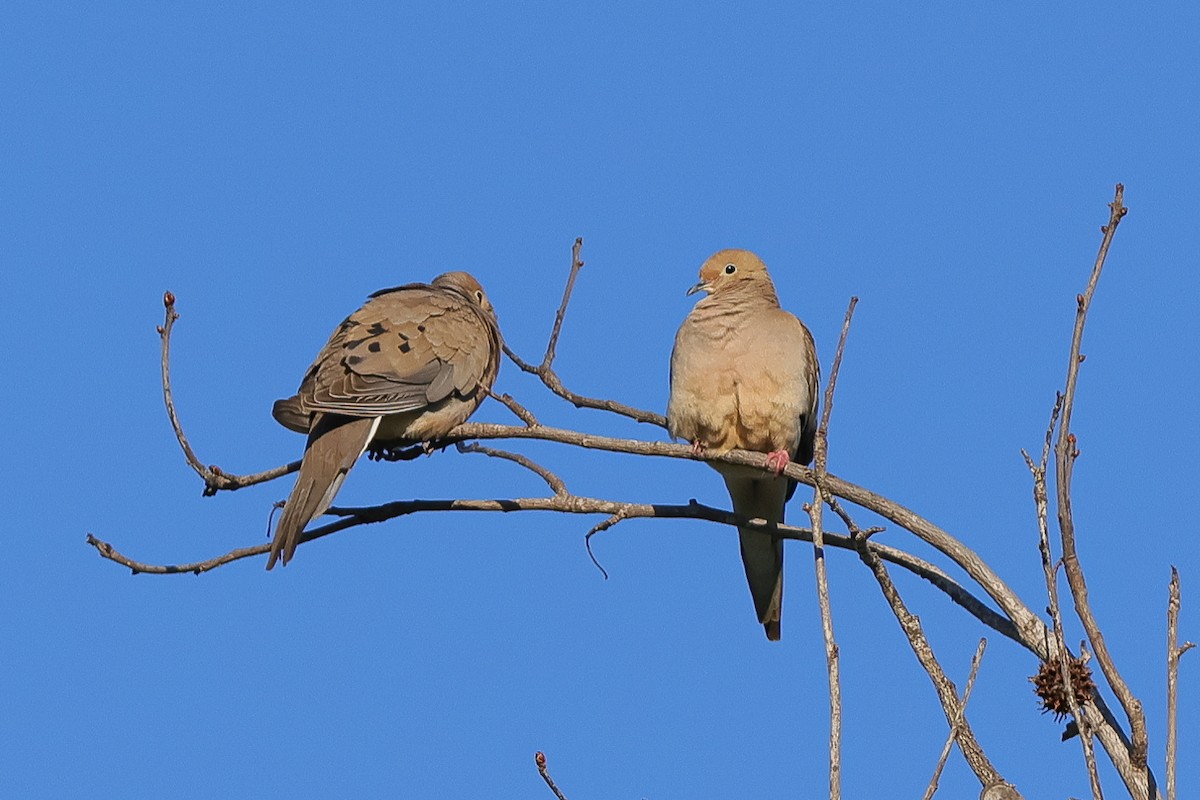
(334,444)
(762,554)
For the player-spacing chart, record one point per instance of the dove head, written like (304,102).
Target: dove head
(733,271)
(464,283)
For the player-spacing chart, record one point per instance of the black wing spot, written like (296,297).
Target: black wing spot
(374,347)
(354,360)
(405,347)
(377,329)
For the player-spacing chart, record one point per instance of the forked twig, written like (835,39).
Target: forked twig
(948,696)
(215,479)
(962,708)
(1174,652)
(545,370)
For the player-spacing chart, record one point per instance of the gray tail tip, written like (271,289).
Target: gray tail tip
(772,629)
(277,556)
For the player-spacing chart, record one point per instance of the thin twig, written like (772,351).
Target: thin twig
(962,707)
(1049,571)
(522,413)
(576,266)
(1174,652)
(597,528)
(556,484)
(164,335)
(1066,452)
(539,758)
(815,509)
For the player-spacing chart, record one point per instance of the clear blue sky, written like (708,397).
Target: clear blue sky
(949,163)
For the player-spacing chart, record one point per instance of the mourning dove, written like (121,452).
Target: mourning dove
(744,375)
(406,368)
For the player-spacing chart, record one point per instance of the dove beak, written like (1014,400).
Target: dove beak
(702,286)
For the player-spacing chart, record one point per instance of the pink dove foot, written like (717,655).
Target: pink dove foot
(778,460)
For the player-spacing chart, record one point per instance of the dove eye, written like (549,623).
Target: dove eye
(479,297)
(730,269)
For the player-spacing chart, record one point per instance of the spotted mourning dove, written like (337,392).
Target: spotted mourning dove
(744,375)
(406,368)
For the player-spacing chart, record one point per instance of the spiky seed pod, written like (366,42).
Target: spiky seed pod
(1048,686)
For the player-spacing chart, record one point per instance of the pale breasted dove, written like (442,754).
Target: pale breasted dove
(406,368)
(744,374)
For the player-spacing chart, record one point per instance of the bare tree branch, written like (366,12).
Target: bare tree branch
(1032,633)
(948,696)
(815,509)
(1022,624)
(1065,454)
(1041,504)
(961,709)
(522,413)
(1015,619)
(539,758)
(354,517)
(1028,628)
